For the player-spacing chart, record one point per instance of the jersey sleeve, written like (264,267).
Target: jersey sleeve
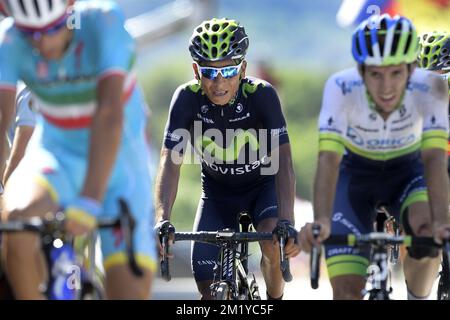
(25,116)
(180,120)
(116,48)
(271,114)
(332,119)
(435,117)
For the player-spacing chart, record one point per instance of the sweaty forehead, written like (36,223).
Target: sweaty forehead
(218,64)
(387,69)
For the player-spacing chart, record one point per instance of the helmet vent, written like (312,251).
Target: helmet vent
(408,42)
(232,38)
(207,26)
(444,51)
(215,27)
(199,29)
(238,51)
(224,46)
(214,39)
(225,25)
(431,39)
(36,7)
(234,45)
(50,4)
(206,36)
(214,52)
(22,6)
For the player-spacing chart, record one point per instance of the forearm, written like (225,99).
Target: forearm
(106,133)
(285,185)
(21,138)
(437,184)
(325,188)
(166,186)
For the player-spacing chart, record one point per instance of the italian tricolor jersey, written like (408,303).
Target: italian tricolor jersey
(350,125)
(66,90)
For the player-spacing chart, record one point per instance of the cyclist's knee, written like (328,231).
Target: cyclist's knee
(418,226)
(270,252)
(348,287)
(204,288)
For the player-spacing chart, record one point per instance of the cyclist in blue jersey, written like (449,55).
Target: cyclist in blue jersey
(236,126)
(382,139)
(88,149)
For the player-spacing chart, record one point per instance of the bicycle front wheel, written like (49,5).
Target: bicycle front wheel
(223,291)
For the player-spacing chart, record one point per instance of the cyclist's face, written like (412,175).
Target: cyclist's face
(52,47)
(386,85)
(221,90)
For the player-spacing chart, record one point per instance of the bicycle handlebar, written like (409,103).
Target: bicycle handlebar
(373,238)
(54,225)
(218,238)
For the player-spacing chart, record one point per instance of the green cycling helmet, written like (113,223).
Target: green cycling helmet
(435,51)
(218,40)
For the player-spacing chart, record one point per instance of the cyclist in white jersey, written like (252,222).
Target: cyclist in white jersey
(435,56)
(383,135)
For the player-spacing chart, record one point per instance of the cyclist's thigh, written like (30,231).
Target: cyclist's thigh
(131,182)
(344,260)
(212,215)
(39,184)
(413,206)
(264,213)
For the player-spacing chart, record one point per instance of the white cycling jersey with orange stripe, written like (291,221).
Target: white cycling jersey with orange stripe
(349,123)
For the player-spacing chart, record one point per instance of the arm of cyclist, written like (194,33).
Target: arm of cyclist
(435,167)
(106,132)
(166,187)
(434,156)
(7,101)
(332,131)
(285,183)
(324,191)
(21,138)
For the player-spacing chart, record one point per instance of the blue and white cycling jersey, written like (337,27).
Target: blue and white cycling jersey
(66,96)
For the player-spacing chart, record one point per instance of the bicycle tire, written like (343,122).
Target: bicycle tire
(443,292)
(222,292)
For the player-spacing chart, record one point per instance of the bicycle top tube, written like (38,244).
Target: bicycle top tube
(380,238)
(222,236)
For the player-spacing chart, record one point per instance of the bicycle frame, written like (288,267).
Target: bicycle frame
(232,279)
(60,255)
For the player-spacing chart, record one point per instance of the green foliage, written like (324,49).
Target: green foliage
(300,93)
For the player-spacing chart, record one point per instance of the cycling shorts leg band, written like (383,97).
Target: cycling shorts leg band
(343,265)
